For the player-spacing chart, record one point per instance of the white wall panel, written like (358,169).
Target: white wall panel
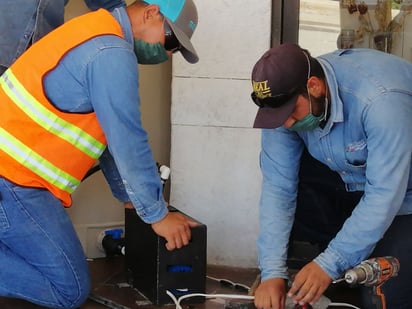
(212,102)
(216,179)
(214,158)
(231,35)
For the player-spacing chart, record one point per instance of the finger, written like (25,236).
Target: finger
(311,296)
(300,296)
(306,299)
(170,245)
(304,290)
(187,235)
(192,223)
(294,288)
(185,238)
(178,242)
(316,297)
(263,303)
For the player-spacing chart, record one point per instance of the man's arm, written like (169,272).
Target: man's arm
(388,129)
(115,98)
(279,160)
(114,94)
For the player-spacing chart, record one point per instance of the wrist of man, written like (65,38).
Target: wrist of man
(331,263)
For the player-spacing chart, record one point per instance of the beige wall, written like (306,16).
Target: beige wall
(94,208)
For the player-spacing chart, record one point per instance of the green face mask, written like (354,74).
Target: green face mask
(149,53)
(310,122)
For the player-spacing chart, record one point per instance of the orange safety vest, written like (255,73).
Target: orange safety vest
(41,146)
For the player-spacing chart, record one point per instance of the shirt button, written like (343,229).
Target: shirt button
(329,159)
(343,173)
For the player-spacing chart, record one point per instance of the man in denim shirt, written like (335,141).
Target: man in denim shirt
(91,83)
(22,22)
(352,110)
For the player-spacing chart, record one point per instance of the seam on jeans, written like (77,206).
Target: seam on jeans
(4,221)
(68,261)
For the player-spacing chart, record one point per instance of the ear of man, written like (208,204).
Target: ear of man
(316,86)
(150,11)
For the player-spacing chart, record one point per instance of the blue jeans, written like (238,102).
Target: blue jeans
(396,242)
(41,258)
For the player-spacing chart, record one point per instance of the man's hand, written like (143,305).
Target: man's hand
(271,294)
(175,228)
(309,284)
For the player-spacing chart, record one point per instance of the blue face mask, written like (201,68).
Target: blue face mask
(310,122)
(149,53)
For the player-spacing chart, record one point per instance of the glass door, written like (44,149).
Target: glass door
(386,25)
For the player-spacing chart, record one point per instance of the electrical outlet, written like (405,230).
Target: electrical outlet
(94,236)
(102,234)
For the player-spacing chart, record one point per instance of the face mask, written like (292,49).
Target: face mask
(310,122)
(307,123)
(149,53)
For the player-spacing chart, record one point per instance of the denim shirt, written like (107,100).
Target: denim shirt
(23,22)
(101,75)
(367,140)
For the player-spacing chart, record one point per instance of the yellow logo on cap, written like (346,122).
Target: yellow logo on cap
(261,89)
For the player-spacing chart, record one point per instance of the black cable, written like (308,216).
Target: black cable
(91,171)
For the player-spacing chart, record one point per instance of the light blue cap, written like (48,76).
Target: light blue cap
(181,15)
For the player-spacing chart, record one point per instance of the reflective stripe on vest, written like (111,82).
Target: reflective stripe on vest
(14,148)
(48,120)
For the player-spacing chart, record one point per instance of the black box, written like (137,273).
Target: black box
(153,269)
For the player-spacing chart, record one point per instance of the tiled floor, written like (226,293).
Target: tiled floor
(111,291)
(110,288)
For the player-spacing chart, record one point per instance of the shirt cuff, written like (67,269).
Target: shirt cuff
(154,213)
(332,263)
(276,270)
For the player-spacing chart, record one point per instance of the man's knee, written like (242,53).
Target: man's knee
(70,298)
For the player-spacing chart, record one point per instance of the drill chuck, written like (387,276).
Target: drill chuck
(358,275)
(373,272)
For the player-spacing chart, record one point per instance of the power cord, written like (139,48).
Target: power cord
(230,296)
(343,305)
(229,283)
(234,296)
(244,288)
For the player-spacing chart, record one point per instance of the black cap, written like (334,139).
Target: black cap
(280,71)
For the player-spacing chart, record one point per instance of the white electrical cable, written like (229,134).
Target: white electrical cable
(343,305)
(234,296)
(230,283)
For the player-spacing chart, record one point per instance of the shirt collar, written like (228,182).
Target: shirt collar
(336,104)
(123,19)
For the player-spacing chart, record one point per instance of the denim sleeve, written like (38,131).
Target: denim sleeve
(113,82)
(106,4)
(113,177)
(279,161)
(388,127)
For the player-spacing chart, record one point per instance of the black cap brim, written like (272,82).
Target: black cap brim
(271,118)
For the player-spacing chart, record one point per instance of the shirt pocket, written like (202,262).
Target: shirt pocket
(356,154)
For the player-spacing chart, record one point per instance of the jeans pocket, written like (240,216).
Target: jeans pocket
(4,222)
